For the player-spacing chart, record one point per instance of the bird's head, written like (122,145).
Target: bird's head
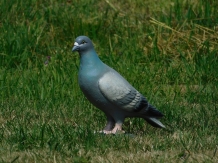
(82,44)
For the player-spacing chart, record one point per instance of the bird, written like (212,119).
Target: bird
(107,90)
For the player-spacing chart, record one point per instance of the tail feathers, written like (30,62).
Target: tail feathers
(153,112)
(154,122)
(152,115)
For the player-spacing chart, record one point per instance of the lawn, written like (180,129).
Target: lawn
(168,50)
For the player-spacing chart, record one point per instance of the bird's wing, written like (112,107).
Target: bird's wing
(119,92)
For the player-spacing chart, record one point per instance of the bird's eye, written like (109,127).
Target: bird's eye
(83,42)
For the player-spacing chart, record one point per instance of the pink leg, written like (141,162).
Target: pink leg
(110,124)
(117,128)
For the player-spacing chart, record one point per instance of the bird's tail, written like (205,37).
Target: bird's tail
(152,115)
(154,122)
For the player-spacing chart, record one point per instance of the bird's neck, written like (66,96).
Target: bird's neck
(89,59)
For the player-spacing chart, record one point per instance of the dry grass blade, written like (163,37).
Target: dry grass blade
(198,38)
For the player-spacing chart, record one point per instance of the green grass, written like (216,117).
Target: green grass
(168,50)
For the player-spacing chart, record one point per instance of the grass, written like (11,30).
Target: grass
(167,50)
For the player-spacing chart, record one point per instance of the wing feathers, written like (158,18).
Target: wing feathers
(118,91)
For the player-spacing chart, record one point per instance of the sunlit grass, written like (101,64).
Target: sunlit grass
(167,50)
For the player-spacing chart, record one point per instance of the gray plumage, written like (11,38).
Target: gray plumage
(109,91)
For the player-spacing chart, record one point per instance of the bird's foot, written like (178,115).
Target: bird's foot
(113,132)
(116,130)
(110,132)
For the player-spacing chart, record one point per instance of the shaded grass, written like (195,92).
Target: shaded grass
(167,50)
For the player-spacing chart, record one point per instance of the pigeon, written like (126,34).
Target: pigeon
(107,90)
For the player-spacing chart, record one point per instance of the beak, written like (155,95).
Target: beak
(75,47)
